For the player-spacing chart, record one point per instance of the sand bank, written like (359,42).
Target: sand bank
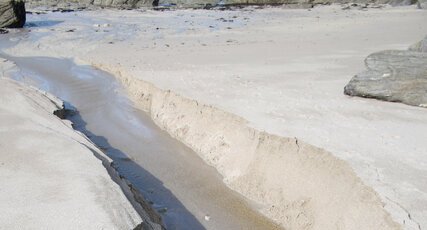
(296,184)
(53,176)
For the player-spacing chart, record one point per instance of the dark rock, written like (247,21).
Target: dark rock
(65,111)
(393,75)
(208,6)
(3,31)
(12,13)
(63,10)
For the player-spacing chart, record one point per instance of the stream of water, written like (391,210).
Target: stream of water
(186,192)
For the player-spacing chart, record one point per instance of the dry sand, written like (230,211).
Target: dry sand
(273,70)
(50,176)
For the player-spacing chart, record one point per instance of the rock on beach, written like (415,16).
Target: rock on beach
(12,14)
(394,75)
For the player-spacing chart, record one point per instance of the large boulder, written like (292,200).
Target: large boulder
(393,75)
(12,13)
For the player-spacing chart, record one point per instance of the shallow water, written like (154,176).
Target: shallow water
(188,193)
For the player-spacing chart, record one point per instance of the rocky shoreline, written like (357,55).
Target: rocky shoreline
(130,4)
(13,12)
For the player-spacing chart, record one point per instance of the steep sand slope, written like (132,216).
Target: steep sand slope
(50,175)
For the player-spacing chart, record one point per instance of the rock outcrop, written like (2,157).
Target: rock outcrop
(12,13)
(89,3)
(393,75)
(195,3)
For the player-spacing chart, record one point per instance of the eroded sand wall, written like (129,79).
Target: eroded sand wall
(299,186)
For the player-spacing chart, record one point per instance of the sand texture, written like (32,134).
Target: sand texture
(51,175)
(258,94)
(282,174)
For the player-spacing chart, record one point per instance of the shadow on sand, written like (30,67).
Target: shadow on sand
(62,78)
(140,179)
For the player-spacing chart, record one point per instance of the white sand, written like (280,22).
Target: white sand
(281,70)
(50,178)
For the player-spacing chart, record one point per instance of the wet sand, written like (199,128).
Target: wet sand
(188,193)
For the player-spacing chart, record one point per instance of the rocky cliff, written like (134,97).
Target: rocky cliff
(189,3)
